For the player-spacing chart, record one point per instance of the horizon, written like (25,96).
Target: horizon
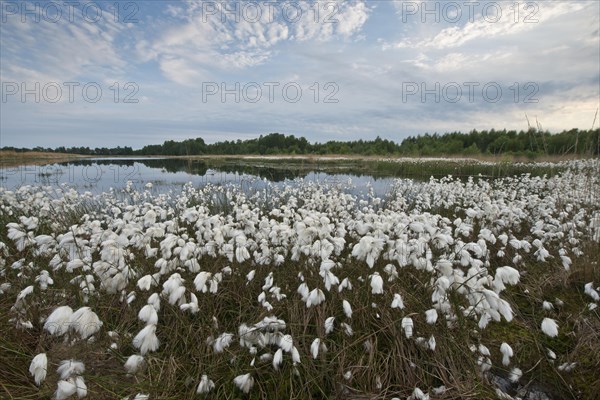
(136,73)
(371,141)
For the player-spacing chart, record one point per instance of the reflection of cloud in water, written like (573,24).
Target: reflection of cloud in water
(101,174)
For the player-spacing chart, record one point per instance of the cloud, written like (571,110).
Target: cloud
(368,54)
(488,25)
(61,51)
(225,36)
(179,70)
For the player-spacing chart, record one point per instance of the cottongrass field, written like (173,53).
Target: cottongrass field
(446,289)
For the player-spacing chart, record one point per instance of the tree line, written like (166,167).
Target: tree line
(530,143)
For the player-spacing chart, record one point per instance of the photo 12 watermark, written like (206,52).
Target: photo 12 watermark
(70,174)
(69,11)
(471,92)
(271,92)
(71,92)
(325,12)
(462,11)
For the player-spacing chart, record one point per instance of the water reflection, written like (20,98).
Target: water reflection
(101,174)
(128,167)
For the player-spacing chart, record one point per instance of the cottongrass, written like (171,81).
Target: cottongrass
(550,327)
(319,294)
(38,368)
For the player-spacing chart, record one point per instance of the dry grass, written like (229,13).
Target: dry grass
(392,367)
(12,158)
(388,365)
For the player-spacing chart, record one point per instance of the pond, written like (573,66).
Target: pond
(101,174)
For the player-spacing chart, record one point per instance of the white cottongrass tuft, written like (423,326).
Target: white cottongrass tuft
(134,363)
(222,342)
(347,329)
(286,343)
(483,350)
(347,308)
(407,326)
(69,387)
(566,262)
(244,382)
(205,385)
(550,327)
(567,367)
(431,343)
(24,293)
(345,284)
(559,302)
(376,284)
(368,249)
(38,368)
(4,287)
(173,288)
(439,390)
(81,387)
(315,298)
(145,282)
(397,302)
(277,359)
(154,300)
(44,280)
(505,275)
(146,340)
(507,353)
(418,394)
(201,280)
(431,316)
(148,315)
(515,375)
(546,305)
(590,291)
(192,306)
(329,325)
(85,322)
(329,279)
(139,396)
(314,348)
(65,389)
(71,382)
(69,368)
(295,355)
(58,322)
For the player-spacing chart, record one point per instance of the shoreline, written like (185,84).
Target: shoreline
(12,159)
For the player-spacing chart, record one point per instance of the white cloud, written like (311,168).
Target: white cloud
(215,40)
(179,70)
(173,49)
(61,51)
(335,18)
(486,27)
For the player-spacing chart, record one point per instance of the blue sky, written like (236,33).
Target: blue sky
(387,68)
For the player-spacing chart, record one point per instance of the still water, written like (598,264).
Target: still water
(97,175)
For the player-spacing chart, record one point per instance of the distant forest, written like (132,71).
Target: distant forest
(531,143)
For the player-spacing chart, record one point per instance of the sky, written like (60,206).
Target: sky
(132,73)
